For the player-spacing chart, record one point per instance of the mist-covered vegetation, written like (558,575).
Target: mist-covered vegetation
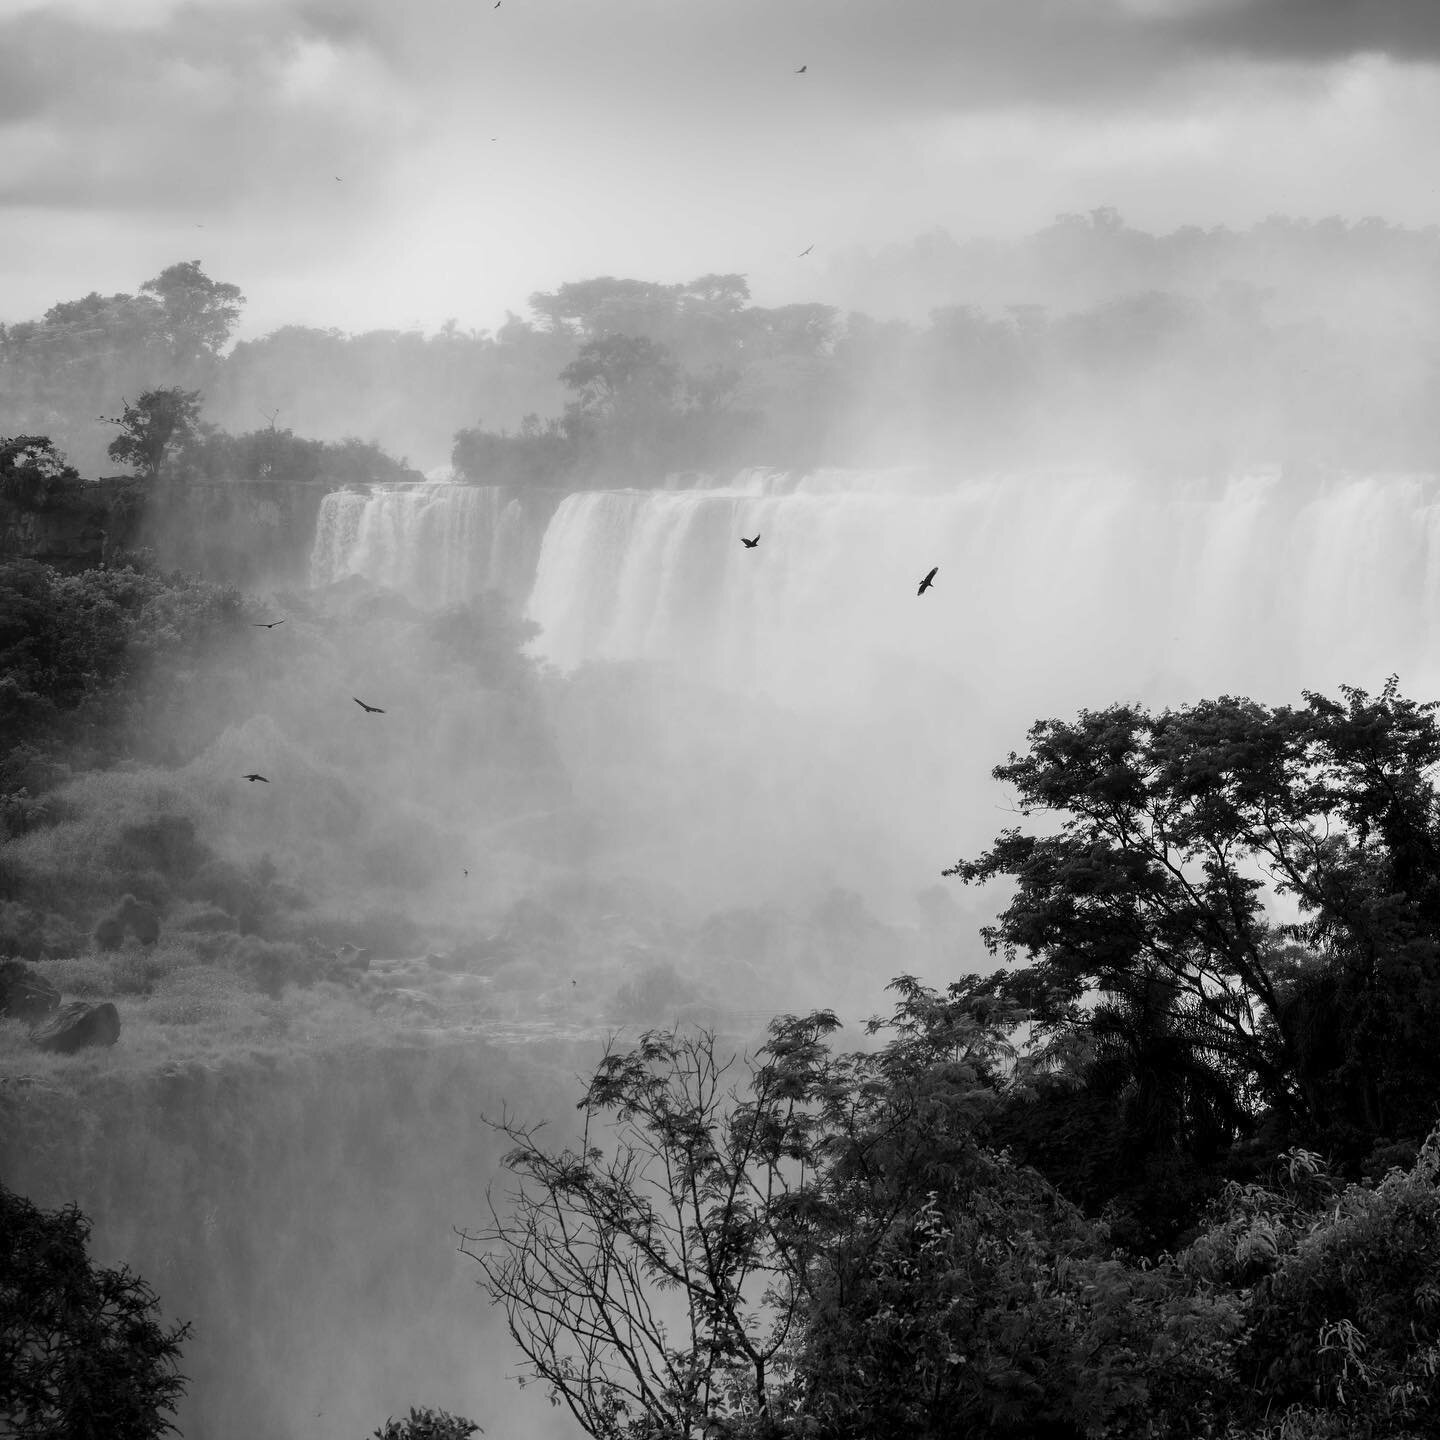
(1089,342)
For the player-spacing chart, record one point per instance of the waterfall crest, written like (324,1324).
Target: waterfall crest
(439,543)
(1060,589)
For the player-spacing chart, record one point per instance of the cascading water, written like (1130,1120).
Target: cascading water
(1056,590)
(438,543)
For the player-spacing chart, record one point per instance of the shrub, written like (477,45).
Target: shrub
(427,1424)
(83,1355)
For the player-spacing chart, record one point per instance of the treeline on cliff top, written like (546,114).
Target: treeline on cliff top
(1289,343)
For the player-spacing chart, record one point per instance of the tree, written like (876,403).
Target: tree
(1175,835)
(159,422)
(198,313)
(621,371)
(35,455)
(83,1355)
(662,1275)
(427,1424)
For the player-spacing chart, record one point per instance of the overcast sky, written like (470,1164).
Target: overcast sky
(362,163)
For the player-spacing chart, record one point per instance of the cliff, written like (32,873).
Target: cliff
(247,533)
(70,524)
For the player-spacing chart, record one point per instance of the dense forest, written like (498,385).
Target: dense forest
(1291,343)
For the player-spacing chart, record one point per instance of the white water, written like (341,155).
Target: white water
(1052,591)
(438,543)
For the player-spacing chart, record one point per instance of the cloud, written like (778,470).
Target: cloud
(203,107)
(1308,32)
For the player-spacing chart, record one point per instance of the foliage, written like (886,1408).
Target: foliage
(661,1273)
(75,650)
(83,1355)
(57,373)
(197,313)
(157,423)
(1172,833)
(281,455)
(28,463)
(427,1424)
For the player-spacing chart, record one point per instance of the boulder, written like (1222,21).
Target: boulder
(25,994)
(77,1025)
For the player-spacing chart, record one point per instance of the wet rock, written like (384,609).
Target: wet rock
(25,994)
(76,1025)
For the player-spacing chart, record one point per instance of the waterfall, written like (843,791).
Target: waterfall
(1059,590)
(439,543)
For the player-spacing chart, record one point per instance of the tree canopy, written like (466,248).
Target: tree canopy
(83,1352)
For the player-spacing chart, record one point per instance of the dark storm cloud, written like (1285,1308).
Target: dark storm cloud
(1316,31)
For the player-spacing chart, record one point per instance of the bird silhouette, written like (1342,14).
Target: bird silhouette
(368,709)
(265,624)
(928,581)
(802,69)
(261,778)
(750,544)
(804,252)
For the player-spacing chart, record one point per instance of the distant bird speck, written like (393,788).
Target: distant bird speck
(338,178)
(804,252)
(368,709)
(261,778)
(928,581)
(265,624)
(750,544)
(802,69)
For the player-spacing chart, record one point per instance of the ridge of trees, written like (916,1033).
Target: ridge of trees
(1217,347)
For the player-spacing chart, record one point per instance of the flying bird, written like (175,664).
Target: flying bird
(802,69)
(928,581)
(253,778)
(265,624)
(750,544)
(804,252)
(368,709)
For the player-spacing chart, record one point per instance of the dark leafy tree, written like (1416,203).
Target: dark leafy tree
(83,1352)
(158,423)
(1170,835)
(33,455)
(660,1276)
(427,1424)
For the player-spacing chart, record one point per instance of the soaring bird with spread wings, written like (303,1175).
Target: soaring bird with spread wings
(368,709)
(750,544)
(928,581)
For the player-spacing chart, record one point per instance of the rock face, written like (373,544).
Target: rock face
(250,533)
(77,1025)
(25,994)
(71,524)
(247,533)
